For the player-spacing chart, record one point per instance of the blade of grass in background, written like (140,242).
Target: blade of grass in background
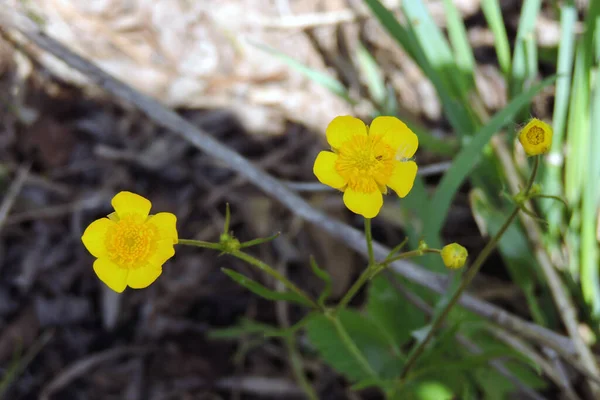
(524,65)
(590,282)
(467,158)
(322,79)
(458,116)
(463,53)
(372,76)
(552,174)
(578,141)
(493,16)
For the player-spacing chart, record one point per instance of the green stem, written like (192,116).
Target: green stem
(257,263)
(271,271)
(351,346)
(369,237)
(298,369)
(373,270)
(200,243)
(470,274)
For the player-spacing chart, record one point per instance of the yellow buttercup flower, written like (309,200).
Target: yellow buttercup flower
(536,137)
(130,245)
(366,161)
(454,255)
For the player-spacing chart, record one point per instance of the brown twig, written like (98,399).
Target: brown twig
(12,19)
(12,193)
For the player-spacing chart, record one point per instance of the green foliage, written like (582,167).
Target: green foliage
(371,341)
(262,291)
(392,313)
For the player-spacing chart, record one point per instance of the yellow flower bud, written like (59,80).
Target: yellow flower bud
(454,255)
(536,137)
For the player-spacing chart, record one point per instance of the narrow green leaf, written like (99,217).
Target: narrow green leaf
(463,53)
(493,16)
(458,115)
(590,251)
(524,58)
(328,82)
(262,291)
(243,328)
(552,177)
(372,75)
(469,156)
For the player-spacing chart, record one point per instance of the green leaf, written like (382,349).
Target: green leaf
(524,66)
(463,53)
(245,327)
(458,115)
(493,15)
(553,172)
(328,82)
(395,315)
(372,75)
(468,157)
(372,343)
(262,291)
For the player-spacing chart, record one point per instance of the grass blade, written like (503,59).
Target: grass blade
(552,177)
(463,53)
(524,66)
(330,83)
(493,16)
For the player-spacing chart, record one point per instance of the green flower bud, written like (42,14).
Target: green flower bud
(454,255)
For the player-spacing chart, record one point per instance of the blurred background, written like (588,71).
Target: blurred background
(265,77)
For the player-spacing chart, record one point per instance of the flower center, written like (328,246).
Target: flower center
(535,135)
(130,241)
(366,162)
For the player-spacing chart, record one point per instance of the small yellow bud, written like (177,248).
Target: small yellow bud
(536,137)
(454,255)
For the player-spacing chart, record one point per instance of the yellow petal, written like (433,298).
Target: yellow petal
(164,250)
(166,223)
(343,128)
(403,177)
(94,236)
(396,134)
(130,203)
(365,204)
(324,169)
(139,278)
(111,274)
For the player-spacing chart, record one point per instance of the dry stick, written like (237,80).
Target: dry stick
(562,300)
(12,193)
(10,18)
(465,342)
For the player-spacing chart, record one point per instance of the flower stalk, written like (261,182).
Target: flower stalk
(469,275)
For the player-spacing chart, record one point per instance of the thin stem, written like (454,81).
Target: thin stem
(351,346)
(200,243)
(470,274)
(369,238)
(298,368)
(373,270)
(409,254)
(275,274)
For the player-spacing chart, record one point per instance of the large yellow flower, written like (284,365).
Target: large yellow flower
(365,161)
(130,245)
